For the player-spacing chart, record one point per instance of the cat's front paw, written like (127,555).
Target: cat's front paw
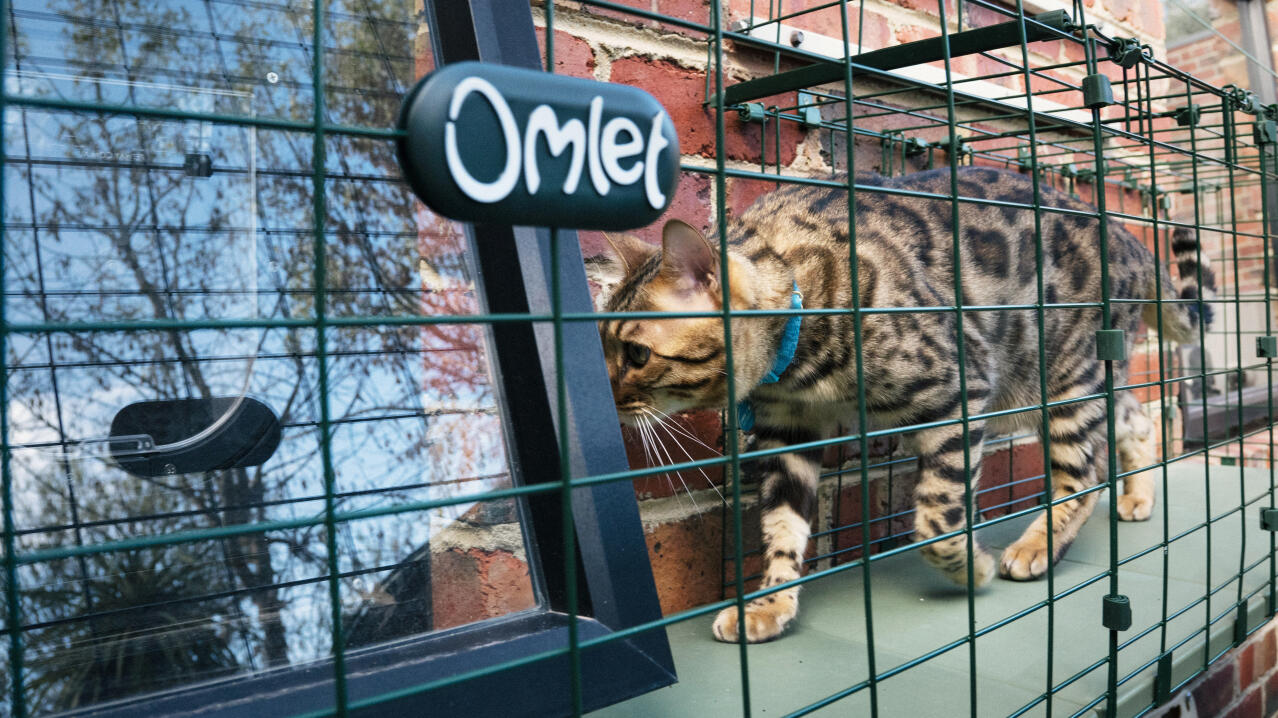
(1025,560)
(764,620)
(1135,508)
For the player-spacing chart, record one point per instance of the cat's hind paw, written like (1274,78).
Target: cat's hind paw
(1135,508)
(764,620)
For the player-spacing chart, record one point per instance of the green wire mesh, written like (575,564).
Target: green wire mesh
(1175,139)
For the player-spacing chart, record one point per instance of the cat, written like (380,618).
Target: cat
(795,242)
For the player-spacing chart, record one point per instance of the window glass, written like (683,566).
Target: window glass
(208,228)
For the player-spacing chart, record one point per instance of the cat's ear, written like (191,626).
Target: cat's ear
(687,260)
(624,254)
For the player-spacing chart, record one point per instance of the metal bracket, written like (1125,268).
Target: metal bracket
(809,110)
(1116,612)
(1267,347)
(1043,26)
(1097,92)
(1111,345)
(1269,520)
(916,146)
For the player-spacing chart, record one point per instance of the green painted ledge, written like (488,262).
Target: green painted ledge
(916,612)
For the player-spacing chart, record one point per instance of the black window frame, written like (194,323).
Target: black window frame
(615,586)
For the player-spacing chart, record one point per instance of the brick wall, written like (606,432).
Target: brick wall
(1242,684)
(683,514)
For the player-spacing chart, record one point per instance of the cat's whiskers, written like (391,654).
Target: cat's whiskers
(668,426)
(670,422)
(649,436)
(662,448)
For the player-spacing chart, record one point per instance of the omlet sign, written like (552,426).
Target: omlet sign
(492,143)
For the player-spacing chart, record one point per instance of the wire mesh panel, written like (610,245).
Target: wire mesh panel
(255,428)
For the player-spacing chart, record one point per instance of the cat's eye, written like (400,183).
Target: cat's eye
(637,354)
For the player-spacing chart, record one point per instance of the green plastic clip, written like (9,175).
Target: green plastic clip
(1240,624)
(752,112)
(1126,51)
(809,110)
(1267,347)
(1188,116)
(916,146)
(1097,92)
(1163,679)
(1265,132)
(1111,345)
(1116,612)
(1269,520)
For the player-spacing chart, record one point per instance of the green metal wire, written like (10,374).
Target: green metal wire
(1216,154)
(12,593)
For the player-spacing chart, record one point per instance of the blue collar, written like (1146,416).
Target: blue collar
(785,355)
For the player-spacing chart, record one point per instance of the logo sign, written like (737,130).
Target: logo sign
(492,143)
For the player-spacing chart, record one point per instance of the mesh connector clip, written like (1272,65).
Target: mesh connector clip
(1163,679)
(809,110)
(752,112)
(1267,347)
(1097,92)
(1240,624)
(1116,612)
(1111,345)
(1265,132)
(197,164)
(1269,520)
(1126,51)
(1187,116)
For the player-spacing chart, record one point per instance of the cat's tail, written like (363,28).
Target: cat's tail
(1197,281)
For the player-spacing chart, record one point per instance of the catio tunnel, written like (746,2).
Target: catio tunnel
(280,440)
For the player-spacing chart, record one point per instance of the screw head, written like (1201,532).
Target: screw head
(272,77)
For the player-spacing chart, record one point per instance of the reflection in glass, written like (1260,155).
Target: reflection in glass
(112,218)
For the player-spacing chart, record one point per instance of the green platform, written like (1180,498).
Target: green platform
(915,612)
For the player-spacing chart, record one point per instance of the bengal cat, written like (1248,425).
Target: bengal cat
(798,238)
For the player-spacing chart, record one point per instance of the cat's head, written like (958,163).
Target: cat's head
(667,365)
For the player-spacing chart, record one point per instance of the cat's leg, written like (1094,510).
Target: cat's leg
(1077,459)
(1137,449)
(940,500)
(788,500)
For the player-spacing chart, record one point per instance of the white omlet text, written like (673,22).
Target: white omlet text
(603,150)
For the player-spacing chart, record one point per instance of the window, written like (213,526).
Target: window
(247,485)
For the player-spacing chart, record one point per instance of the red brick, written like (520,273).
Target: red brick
(932,7)
(573,55)
(1249,707)
(1246,666)
(743,192)
(849,537)
(913,33)
(706,428)
(1151,18)
(1216,691)
(686,572)
(682,91)
(474,584)
(1266,652)
(1271,693)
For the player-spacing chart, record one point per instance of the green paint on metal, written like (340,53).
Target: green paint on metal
(1111,345)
